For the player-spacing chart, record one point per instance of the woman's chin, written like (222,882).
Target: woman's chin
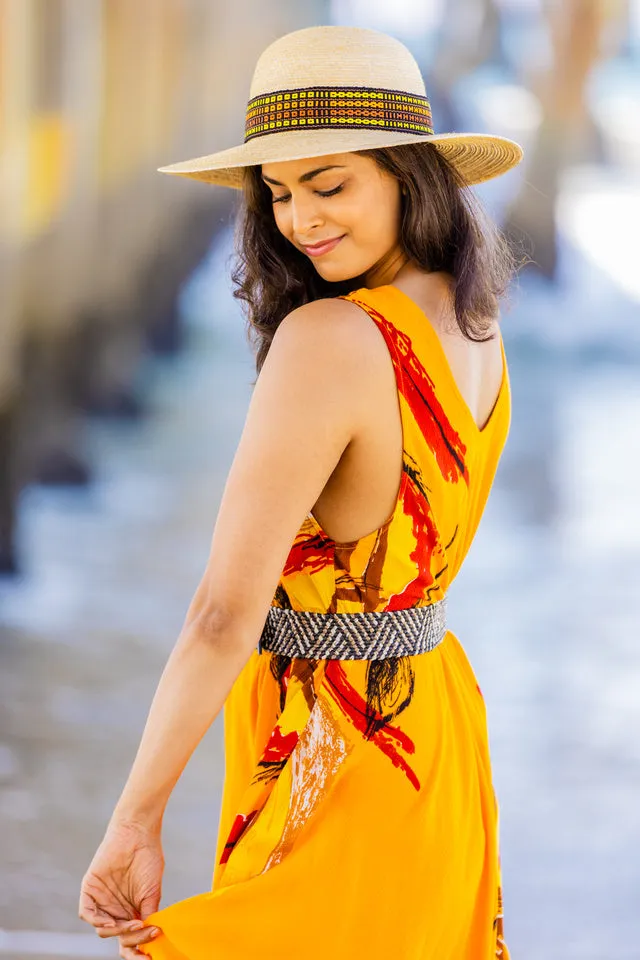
(338,273)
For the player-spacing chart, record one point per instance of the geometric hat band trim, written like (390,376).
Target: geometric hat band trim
(313,108)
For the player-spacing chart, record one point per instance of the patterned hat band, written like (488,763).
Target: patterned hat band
(307,99)
(314,108)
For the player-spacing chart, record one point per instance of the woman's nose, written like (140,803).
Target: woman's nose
(305,215)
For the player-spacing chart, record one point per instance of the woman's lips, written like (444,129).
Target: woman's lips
(319,249)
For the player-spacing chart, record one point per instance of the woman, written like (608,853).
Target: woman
(358,815)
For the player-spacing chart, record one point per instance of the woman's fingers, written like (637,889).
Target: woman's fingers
(90,912)
(130,953)
(136,937)
(121,928)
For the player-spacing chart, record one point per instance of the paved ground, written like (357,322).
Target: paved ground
(546,605)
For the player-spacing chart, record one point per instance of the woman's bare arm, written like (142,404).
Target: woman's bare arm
(307,405)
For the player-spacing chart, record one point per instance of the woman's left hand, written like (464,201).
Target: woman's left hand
(122,886)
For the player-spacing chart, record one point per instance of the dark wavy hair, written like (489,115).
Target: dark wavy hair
(443,227)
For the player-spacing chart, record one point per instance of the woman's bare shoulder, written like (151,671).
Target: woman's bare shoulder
(333,325)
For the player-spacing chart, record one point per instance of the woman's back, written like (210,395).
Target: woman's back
(361,492)
(447,468)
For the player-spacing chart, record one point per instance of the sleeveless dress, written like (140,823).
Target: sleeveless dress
(359,819)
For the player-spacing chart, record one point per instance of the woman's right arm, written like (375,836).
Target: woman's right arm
(303,413)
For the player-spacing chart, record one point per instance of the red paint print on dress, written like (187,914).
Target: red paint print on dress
(354,707)
(418,389)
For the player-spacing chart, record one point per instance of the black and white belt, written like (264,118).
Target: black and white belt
(374,635)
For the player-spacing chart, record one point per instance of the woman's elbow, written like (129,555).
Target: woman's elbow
(225,630)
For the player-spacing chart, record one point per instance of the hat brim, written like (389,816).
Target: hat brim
(478,156)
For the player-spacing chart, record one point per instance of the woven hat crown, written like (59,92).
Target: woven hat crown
(329,89)
(336,56)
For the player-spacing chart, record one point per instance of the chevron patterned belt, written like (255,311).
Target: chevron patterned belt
(375,635)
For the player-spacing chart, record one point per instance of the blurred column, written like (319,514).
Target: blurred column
(55,231)
(114,326)
(13,114)
(468,38)
(580,32)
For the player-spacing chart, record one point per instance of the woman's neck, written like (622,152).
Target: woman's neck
(384,271)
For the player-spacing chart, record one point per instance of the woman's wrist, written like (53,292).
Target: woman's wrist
(136,818)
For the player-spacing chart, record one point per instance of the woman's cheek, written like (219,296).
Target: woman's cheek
(283,222)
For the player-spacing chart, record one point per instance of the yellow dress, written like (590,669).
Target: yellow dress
(359,819)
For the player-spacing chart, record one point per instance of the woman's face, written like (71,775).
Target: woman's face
(341,210)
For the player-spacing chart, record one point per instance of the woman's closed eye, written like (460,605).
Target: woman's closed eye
(320,193)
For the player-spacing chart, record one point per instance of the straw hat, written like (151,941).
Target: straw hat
(330,89)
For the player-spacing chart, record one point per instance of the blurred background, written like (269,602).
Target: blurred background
(124,379)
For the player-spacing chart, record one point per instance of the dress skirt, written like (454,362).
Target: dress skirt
(358,818)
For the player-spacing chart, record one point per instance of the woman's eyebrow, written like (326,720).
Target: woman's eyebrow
(305,176)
